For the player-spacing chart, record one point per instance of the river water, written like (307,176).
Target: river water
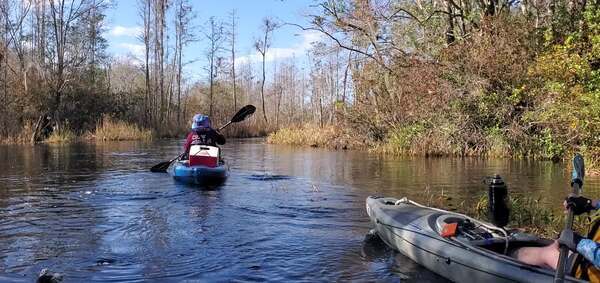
(95,213)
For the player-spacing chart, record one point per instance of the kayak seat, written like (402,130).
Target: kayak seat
(448,219)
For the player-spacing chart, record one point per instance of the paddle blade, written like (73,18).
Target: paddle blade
(243,113)
(578,170)
(161,167)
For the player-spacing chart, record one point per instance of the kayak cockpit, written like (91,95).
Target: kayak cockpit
(483,235)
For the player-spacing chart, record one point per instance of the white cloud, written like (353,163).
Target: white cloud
(135,49)
(125,31)
(279,53)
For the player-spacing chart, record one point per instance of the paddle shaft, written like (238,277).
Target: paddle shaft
(564,251)
(223,127)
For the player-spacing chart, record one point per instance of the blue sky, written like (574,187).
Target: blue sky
(124,24)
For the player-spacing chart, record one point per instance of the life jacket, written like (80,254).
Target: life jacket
(203,137)
(582,268)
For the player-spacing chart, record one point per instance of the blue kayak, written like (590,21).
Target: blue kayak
(198,174)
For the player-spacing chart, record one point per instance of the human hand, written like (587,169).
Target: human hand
(579,204)
(569,239)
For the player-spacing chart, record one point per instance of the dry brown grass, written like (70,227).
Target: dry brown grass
(113,130)
(62,136)
(22,137)
(315,136)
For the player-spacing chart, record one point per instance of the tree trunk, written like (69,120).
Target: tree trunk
(233,74)
(161,62)
(146,38)
(450,37)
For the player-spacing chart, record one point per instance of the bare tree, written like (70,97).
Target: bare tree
(159,39)
(262,45)
(145,11)
(214,36)
(232,41)
(64,15)
(183,37)
(13,28)
(4,68)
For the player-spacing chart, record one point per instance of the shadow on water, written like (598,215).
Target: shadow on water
(205,186)
(267,177)
(400,267)
(94,213)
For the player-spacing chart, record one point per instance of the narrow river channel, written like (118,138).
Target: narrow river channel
(95,213)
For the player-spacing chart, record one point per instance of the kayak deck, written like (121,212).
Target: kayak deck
(478,252)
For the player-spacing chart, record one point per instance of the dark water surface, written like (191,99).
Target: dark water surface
(94,212)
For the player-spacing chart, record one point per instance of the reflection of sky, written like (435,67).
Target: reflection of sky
(95,212)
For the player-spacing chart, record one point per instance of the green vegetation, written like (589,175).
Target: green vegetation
(484,81)
(467,78)
(531,214)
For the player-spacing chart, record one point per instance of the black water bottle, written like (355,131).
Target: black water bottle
(497,202)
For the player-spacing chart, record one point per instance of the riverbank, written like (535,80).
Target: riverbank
(416,141)
(109,129)
(106,130)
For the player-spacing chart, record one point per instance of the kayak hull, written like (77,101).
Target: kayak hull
(414,231)
(198,175)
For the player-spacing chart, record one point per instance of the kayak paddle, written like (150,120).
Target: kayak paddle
(162,167)
(241,115)
(576,184)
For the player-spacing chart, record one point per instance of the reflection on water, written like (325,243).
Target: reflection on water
(94,212)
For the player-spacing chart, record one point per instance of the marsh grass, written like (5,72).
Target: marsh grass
(442,138)
(63,136)
(315,136)
(23,137)
(114,130)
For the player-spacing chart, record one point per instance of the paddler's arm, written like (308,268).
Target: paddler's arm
(585,247)
(590,250)
(219,138)
(188,143)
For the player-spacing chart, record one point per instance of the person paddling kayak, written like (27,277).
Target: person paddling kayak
(202,133)
(586,247)
(201,137)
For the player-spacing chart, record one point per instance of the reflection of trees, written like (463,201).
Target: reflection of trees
(460,178)
(168,229)
(45,216)
(41,222)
